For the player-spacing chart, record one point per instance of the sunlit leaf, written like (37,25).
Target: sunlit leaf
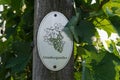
(5,1)
(109,13)
(77,75)
(83,52)
(106,25)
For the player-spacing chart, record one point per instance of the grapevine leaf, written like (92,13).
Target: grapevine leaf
(86,31)
(106,68)
(105,25)
(108,12)
(115,20)
(19,62)
(73,21)
(70,27)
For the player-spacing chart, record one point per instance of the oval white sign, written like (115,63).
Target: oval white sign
(54,46)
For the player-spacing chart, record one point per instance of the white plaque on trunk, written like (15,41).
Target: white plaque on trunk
(54,46)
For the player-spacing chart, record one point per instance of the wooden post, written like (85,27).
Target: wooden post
(42,7)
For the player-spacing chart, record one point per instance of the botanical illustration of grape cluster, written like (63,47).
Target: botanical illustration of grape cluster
(54,37)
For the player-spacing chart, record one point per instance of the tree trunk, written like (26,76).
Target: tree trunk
(42,7)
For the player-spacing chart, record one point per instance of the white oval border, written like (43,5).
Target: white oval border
(54,12)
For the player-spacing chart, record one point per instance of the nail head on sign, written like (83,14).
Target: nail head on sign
(55,15)
(54,66)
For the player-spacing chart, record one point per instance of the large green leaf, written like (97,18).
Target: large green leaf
(21,66)
(22,54)
(70,27)
(112,8)
(106,68)
(101,66)
(86,30)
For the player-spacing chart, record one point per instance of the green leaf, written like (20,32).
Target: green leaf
(86,30)
(115,50)
(10,31)
(88,74)
(106,68)
(77,75)
(108,12)
(115,20)
(117,1)
(17,5)
(21,66)
(5,2)
(70,27)
(15,52)
(105,25)
(83,52)
(23,55)
(100,64)
(88,1)
(3,72)
(111,7)
(96,13)
(21,47)
(74,21)
(15,61)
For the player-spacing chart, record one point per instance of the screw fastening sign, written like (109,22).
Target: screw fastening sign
(53,44)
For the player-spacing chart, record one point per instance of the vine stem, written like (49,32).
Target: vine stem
(83,69)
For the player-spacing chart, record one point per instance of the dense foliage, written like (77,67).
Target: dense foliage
(16,51)
(95,57)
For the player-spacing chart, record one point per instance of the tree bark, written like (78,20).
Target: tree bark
(42,7)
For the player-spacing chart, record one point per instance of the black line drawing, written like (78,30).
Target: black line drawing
(54,37)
